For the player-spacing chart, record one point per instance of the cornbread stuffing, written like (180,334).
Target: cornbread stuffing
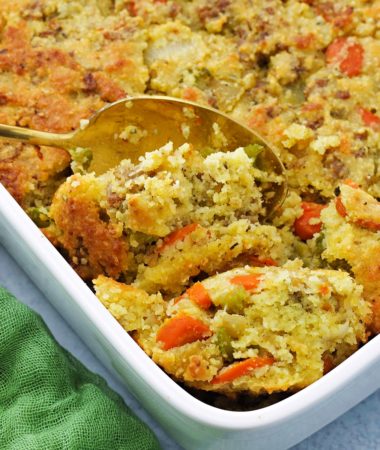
(177,243)
(256,330)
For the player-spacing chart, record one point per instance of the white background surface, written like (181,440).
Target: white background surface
(359,429)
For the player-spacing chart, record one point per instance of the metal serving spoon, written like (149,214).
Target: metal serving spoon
(133,126)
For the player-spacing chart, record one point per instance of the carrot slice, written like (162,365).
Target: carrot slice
(249,282)
(324,289)
(341,209)
(368,224)
(351,183)
(369,118)
(350,56)
(362,223)
(240,369)
(199,295)
(338,16)
(304,41)
(302,226)
(335,49)
(262,262)
(178,235)
(181,330)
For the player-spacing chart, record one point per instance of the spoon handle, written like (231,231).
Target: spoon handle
(35,137)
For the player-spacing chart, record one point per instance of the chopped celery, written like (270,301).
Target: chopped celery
(206,151)
(81,159)
(233,300)
(253,150)
(39,216)
(224,343)
(320,243)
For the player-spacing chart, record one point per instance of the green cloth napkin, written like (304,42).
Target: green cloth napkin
(49,400)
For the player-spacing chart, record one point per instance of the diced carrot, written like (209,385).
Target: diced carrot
(324,289)
(341,209)
(367,224)
(177,235)
(262,262)
(351,183)
(240,369)
(190,93)
(181,330)
(334,49)
(258,118)
(131,8)
(350,56)
(304,41)
(327,306)
(339,17)
(199,295)
(369,118)
(249,282)
(352,64)
(363,223)
(302,226)
(344,19)
(345,145)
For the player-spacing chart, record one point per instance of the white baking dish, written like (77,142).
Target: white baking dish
(192,423)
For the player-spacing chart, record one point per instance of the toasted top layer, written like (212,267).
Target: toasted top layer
(304,73)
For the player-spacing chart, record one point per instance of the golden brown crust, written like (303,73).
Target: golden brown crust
(351,233)
(13,179)
(94,245)
(48,87)
(31,173)
(367,273)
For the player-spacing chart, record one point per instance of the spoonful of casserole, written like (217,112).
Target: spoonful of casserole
(131,127)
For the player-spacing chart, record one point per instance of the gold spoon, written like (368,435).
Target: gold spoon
(133,126)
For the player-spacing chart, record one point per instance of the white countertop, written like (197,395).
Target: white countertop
(356,430)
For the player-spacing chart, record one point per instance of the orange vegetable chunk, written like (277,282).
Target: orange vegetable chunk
(240,369)
(351,183)
(181,330)
(262,262)
(341,209)
(249,282)
(302,226)
(369,118)
(199,295)
(367,224)
(350,56)
(178,235)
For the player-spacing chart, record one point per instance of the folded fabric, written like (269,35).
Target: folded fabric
(49,400)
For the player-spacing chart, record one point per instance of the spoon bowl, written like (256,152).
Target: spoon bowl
(130,127)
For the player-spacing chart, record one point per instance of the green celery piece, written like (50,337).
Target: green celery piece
(39,216)
(206,151)
(233,300)
(81,159)
(253,150)
(224,343)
